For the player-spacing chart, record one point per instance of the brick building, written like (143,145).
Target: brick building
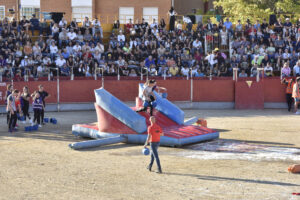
(107,10)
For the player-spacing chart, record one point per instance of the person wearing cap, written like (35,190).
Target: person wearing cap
(296,95)
(154,134)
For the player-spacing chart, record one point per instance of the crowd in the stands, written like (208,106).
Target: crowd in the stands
(205,49)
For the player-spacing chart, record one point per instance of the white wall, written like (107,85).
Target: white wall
(81,3)
(30,3)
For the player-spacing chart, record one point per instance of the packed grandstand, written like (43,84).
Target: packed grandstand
(35,49)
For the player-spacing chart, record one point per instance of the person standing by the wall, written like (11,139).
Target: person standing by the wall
(296,94)
(12,110)
(289,90)
(44,95)
(25,97)
(154,133)
(7,93)
(172,13)
(38,107)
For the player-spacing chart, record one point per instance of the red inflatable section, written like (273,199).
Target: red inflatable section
(108,123)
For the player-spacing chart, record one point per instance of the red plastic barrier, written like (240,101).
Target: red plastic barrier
(213,91)
(249,97)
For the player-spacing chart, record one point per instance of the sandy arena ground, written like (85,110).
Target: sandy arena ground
(256,147)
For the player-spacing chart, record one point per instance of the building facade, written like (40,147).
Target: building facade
(107,10)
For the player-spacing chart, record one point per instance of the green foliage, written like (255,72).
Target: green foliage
(257,9)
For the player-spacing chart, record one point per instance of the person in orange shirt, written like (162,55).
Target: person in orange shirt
(296,94)
(154,133)
(289,90)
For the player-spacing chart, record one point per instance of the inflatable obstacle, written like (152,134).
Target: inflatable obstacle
(117,120)
(294,168)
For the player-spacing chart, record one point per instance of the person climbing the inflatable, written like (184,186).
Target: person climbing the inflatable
(149,96)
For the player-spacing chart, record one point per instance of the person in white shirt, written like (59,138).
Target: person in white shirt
(211,59)
(77,49)
(97,27)
(62,23)
(53,50)
(99,47)
(154,24)
(296,69)
(46,61)
(121,38)
(189,23)
(60,61)
(185,71)
(268,70)
(72,35)
(24,62)
(55,30)
(197,45)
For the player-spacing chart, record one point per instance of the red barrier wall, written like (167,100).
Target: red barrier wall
(78,91)
(220,90)
(249,97)
(213,91)
(49,86)
(274,91)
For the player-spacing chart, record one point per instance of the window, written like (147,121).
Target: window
(126,13)
(29,11)
(30,7)
(2,12)
(79,13)
(81,9)
(150,13)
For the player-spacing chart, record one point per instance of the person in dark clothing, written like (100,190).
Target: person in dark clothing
(25,97)
(172,13)
(38,106)
(12,110)
(35,24)
(44,95)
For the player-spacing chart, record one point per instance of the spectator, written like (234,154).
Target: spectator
(243,74)
(296,69)
(97,27)
(285,71)
(60,61)
(63,23)
(268,70)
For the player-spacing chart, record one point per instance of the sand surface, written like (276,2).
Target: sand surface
(249,161)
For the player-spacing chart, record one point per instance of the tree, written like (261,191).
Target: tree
(257,9)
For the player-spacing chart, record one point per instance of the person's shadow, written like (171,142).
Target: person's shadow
(217,178)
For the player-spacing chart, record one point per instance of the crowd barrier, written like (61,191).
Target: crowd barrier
(267,90)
